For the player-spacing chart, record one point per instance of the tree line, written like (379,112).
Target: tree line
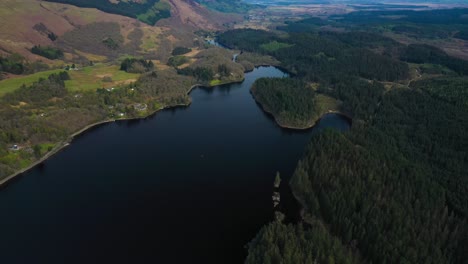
(393,188)
(48,52)
(321,57)
(291,101)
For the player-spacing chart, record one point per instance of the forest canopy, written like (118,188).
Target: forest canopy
(149,11)
(393,188)
(292,102)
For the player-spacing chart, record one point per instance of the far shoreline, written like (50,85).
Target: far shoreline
(63,144)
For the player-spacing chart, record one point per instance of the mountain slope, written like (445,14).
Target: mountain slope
(148,11)
(77,34)
(21,30)
(193,14)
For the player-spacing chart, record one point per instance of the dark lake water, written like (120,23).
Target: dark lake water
(187,185)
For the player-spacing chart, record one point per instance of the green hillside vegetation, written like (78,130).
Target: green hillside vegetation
(48,52)
(40,91)
(9,85)
(214,66)
(85,79)
(47,112)
(12,65)
(148,11)
(158,11)
(18,65)
(40,115)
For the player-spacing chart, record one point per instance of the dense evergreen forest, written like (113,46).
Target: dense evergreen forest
(327,59)
(149,11)
(450,89)
(392,189)
(420,53)
(292,102)
(202,74)
(279,243)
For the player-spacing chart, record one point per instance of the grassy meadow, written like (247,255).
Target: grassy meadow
(87,78)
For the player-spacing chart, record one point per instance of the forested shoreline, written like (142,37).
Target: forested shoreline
(393,188)
(37,116)
(293,103)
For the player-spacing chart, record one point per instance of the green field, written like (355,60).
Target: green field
(88,78)
(9,85)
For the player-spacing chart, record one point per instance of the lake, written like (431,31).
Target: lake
(186,185)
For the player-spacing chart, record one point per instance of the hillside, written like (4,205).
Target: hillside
(81,34)
(193,14)
(149,11)
(22,30)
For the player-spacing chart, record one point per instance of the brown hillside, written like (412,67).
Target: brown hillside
(25,23)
